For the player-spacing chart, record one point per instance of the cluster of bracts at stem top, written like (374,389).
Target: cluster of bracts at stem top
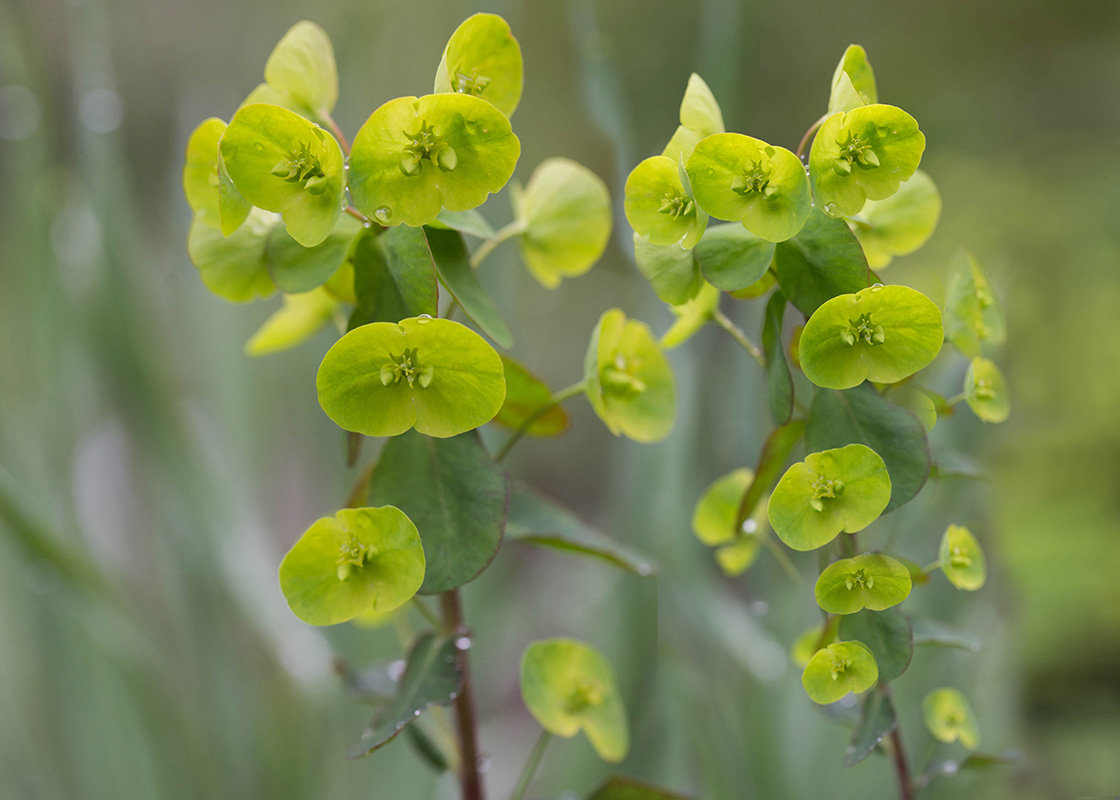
(364,238)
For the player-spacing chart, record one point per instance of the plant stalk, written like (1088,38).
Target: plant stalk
(737,334)
(531,765)
(901,767)
(556,399)
(469,776)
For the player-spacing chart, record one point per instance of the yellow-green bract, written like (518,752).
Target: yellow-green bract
(281,162)
(234,267)
(417,155)
(691,316)
(568,686)
(838,669)
(482,58)
(972,313)
(949,717)
(526,396)
(360,560)
(628,380)
(713,522)
(210,192)
(659,204)
(845,489)
(742,179)
(985,391)
(863,154)
(812,640)
(383,378)
(882,334)
(301,317)
(853,82)
(566,212)
(301,71)
(699,116)
(962,559)
(871,580)
(900,224)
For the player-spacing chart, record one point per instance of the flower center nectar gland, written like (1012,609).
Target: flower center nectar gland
(757,178)
(586,695)
(859,578)
(619,378)
(825,489)
(408,367)
(854,149)
(302,167)
(839,667)
(959,559)
(864,330)
(983,389)
(425,145)
(676,205)
(353,555)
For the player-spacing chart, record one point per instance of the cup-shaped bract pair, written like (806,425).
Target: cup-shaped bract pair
(985,391)
(483,59)
(660,206)
(417,155)
(565,210)
(281,162)
(713,522)
(882,334)
(569,686)
(361,560)
(838,669)
(628,380)
(871,580)
(949,718)
(973,316)
(300,73)
(863,154)
(700,116)
(833,491)
(853,82)
(435,375)
(899,224)
(742,179)
(962,559)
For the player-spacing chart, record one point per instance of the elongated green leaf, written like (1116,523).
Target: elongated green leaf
(732,258)
(433,677)
(862,415)
(775,453)
(453,264)
(394,276)
(620,788)
(779,381)
(296,268)
(454,493)
(876,722)
(535,519)
(822,261)
(888,635)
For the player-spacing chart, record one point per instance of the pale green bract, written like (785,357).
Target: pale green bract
(962,559)
(853,82)
(281,162)
(882,334)
(301,317)
(917,403)
(949,717)
(302,67)
(672,271)
(659,204)
(483,59)
(871,580)
(435,375)
(972,312)
(210,193)
(900,224)
(713,522)
(700,116)
(566,213)
(742,179)
(234,267)
(839,669)
(569,686)
(833,491)
(417,155)
(691,316)
(628,380)
(985,391)
(359,561)
(863,154)
(812,640)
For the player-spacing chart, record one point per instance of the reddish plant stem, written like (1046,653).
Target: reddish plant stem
(469,775)
(901,766)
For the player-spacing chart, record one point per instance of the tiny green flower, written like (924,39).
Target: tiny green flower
(870,581)
(660,206)
(949,717)
(838,669)
(483,59)
(962,559)
(985,391)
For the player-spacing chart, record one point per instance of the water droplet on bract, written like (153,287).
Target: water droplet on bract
(463,643)
(749,526)
(383,215)
(416,713)
(829,208)
(258,147)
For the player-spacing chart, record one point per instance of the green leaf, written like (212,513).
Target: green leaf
(779,381)
(732,258)
(383,378)
(672,271)
(628,379)
(295,268)
(972,313)
(887,634)
(569,686)
(659,204)
(566,212)
(962,559)
(416,156)
(901,223)
(281,162)
(932,632)
(863,154)
(700,116)
(482,58)
(233,267)
(860,78)
(838,669)
(526,394)
(470,222)
(433,676)
(394,275)
(619,788)
(301,317)
(871,580)
(302,67)
(535,519)
(455,494)
(824,260)
(361,559)
(882,334)
(742,179)
(833,491)
(949,717)
(691,317)
(985,391)
(453,264)
(876,722)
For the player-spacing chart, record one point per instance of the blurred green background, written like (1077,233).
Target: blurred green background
(152,476)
